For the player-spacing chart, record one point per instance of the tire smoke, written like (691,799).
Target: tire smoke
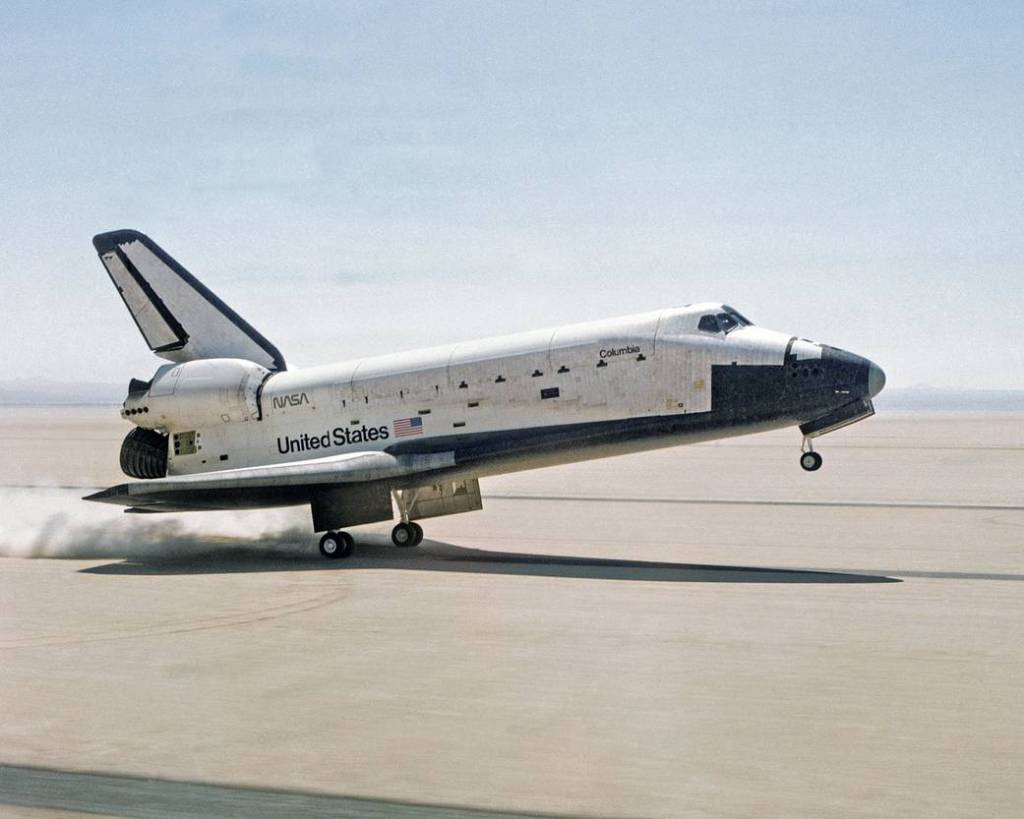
(57,523)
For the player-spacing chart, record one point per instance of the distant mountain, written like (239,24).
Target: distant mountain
(939,399)
(25,391)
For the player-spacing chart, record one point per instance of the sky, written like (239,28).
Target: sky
(362,178)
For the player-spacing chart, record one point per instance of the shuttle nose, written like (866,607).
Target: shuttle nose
(876,379)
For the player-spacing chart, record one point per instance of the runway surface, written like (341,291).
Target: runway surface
(698,631)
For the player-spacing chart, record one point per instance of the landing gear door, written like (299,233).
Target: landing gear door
(445,498)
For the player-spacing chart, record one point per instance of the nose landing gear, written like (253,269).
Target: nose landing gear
(809,459)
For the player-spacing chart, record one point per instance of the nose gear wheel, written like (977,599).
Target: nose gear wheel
(810,461)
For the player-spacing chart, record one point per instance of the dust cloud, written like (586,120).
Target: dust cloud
(57,523)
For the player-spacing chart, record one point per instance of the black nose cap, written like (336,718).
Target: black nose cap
(853,374)
(876,379)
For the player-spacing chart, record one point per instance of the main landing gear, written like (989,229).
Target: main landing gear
(407,534)
(809,459)
(335,545)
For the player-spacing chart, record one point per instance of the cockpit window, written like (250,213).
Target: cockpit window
(727,322)
(724,322)
(736,314)
(708,323)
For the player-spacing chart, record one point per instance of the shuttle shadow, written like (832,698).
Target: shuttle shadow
(376,552)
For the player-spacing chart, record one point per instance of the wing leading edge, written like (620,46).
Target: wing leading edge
(272,485)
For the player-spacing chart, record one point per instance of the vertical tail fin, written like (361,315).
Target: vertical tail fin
(180,319)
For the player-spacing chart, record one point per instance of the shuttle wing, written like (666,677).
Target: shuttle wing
(271,485)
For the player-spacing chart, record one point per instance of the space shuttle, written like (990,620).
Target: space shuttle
(225,423)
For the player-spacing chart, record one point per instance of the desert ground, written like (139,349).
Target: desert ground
(705,630)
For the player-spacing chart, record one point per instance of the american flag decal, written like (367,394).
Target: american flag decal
(408,426)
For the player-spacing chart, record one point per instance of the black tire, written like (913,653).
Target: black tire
(403,535)
(810,461)
(418,539)
(331,545)
(335,545)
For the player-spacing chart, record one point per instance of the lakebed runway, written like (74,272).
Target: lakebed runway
(704,630)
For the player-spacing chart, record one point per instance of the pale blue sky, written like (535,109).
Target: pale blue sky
(360,178)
